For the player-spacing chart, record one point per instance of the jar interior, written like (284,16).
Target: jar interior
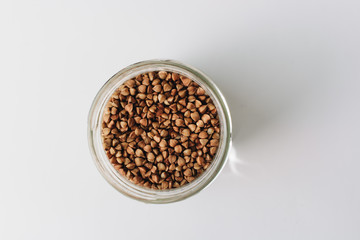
(120,182)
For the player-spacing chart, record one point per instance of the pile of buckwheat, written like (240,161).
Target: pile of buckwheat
(160,130)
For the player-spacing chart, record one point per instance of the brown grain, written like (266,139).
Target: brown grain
(160,130)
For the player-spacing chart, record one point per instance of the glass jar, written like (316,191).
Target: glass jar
(121,183)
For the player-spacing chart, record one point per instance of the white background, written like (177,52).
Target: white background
(290,71)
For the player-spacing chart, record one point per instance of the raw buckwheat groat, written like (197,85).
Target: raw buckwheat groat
(160,130)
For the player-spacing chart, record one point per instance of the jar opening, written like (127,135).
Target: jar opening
(122,184)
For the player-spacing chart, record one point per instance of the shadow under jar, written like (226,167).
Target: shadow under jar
(121,182)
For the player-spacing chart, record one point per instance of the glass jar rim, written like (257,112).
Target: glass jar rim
(122,184)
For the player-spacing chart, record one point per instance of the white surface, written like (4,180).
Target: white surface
(289,69)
